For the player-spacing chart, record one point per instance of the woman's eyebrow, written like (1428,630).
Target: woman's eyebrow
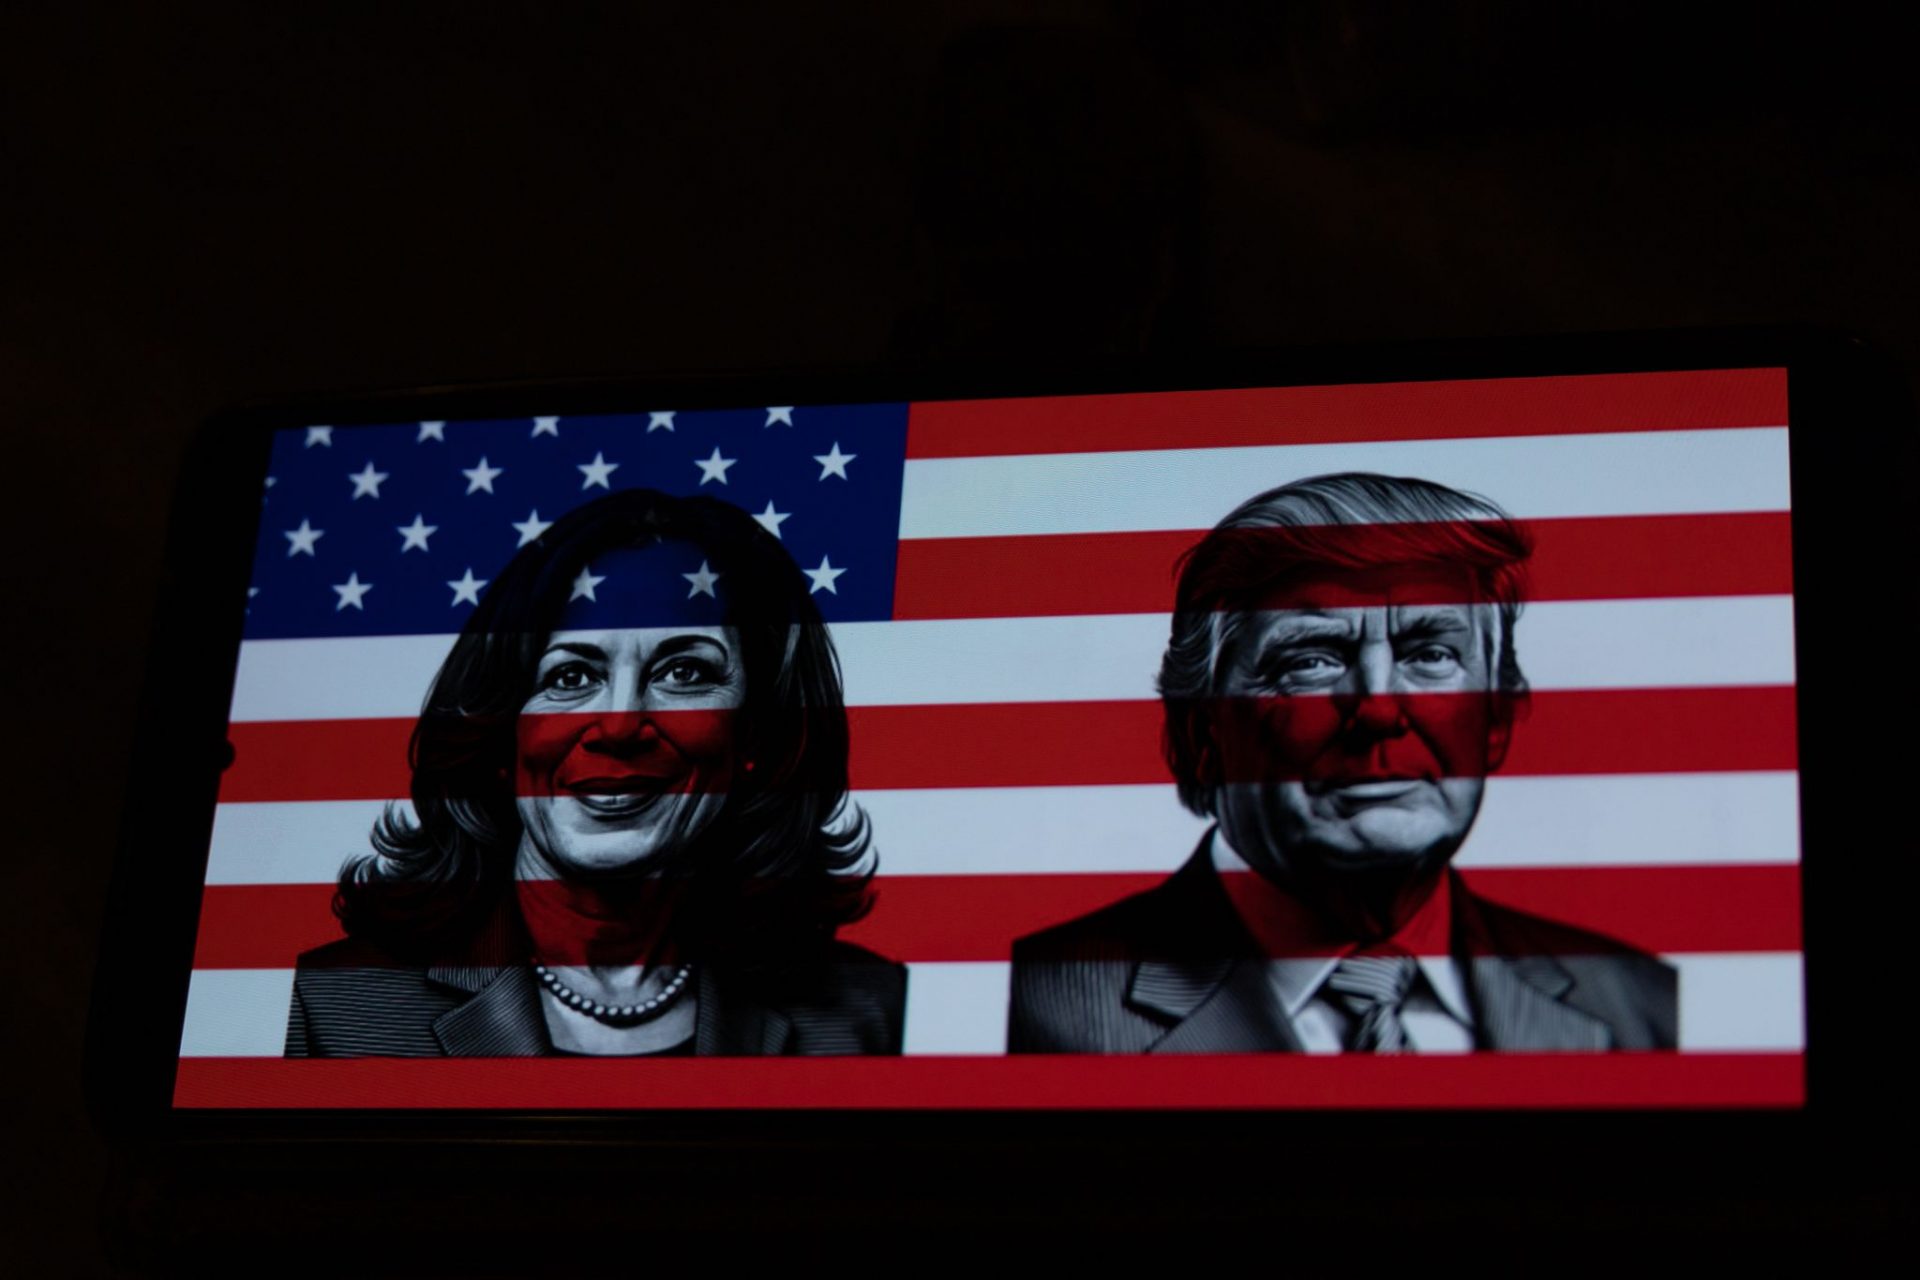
(577,648)
(680,644)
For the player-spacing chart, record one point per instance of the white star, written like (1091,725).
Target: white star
(532,527)
(431,431)
(702,580)
(303,538)
(319,435)
(714,468)
(481,477)
(824,576)
(416,534)
(834,463)
(367,482)
(467,588)
(252,592)
(547,427)
(350,592)
(770,520)
(782,413)
(585,583)
(659,420)
(597,471)
(271,482)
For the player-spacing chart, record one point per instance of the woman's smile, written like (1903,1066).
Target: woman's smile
(626,745)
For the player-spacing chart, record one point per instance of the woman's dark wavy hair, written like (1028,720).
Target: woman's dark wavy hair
(787,859)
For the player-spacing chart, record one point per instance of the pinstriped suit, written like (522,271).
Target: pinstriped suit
(352,998)
(1173,970)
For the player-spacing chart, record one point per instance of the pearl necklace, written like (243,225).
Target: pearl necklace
(625,1015)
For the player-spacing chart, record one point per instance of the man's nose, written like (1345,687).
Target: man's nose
(1376,709)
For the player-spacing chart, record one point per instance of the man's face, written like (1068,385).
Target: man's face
(1358,721)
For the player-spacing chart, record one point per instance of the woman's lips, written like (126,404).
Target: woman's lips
(617,796)
(617,784)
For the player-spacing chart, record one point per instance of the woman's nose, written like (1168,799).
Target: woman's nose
(622,732)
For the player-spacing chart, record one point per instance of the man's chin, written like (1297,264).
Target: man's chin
(1410,854)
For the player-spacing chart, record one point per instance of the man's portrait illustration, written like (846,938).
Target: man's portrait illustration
(1343,674)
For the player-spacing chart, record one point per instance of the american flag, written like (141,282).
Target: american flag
(998,577)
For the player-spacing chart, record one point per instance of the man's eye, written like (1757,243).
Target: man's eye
(1434,657)
(1307,666)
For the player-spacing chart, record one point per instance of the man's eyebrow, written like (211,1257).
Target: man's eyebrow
(1431,619)
(1288,625)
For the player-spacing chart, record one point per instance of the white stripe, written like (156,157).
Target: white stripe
(236,1013)
(956,1007)
(1573,644)
(1728,1002)
(1696,819)
(1531,477)
(1576,644)
(1742,1000)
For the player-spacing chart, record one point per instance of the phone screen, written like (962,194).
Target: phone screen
(1373,746)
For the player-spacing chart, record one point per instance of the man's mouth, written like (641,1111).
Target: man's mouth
(1368,789)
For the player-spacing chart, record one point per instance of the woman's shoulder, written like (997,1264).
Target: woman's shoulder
(857,969)
(849,1000)
(350,953)
(356,996)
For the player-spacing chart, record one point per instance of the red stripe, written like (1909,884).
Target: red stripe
(1186,1082)
(935,918)
(1089,743)
(1599,558)
(1342,414)
(1745,908)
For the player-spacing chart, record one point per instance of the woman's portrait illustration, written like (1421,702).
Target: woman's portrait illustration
(630,831)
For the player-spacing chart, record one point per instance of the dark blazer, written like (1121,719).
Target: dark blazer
(353,998)
(1172,970)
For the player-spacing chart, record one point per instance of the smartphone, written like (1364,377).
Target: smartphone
(1394,735)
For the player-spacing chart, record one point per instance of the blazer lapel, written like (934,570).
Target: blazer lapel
(502,1020)
(1519,1007)
(1230,1008)
(1519,999)
(502,1016)
(1201,972)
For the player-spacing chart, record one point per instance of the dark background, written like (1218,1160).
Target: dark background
(200,205)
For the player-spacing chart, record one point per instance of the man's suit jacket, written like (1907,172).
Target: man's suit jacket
(355,998)
(1173,970)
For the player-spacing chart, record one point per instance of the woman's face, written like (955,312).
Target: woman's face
(626,746)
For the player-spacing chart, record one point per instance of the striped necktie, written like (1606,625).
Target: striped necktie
(1372,985)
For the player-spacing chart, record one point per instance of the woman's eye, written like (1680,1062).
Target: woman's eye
(570,677)
(683,673)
